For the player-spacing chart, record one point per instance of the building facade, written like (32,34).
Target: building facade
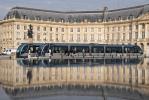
(120,26)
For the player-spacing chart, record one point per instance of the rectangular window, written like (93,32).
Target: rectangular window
(124,28)
(143,26)
(130,36)
(143,35)
(107,36)
(112,36)
(85,30)
(25,35)
(62,29)
(25,27)
(63,38)
(107,29)
(18,27)
(78,37)
(56,29)
(51,37)
(18,35)
(44,28)
(44,33)
(56,37)
(113,28)
(71,37)
(38,28)
(130,27)
(119,28)
(99,37)
(85,37)
(78,29)
(50,28)
(71,29)
(136,27)
(99,29)
(92,37)
(38,36)
(136,35)
(124,36)
(118,36)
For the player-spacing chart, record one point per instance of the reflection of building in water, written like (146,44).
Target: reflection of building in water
(134,76)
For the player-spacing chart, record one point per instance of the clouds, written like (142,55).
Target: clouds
(68,4)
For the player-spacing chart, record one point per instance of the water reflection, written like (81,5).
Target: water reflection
(118,78)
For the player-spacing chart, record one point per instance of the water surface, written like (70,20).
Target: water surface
(74,79)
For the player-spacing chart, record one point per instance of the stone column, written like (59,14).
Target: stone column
(140,76)
(146,50)
(139,31)
(146,31)
(127,34)
(146,76)
(133,32)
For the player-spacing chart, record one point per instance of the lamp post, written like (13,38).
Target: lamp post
(30,39)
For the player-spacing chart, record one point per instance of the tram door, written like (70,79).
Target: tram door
(34,49)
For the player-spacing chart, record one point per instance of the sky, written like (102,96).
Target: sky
(68,5)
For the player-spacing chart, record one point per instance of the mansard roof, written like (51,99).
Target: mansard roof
(77,16)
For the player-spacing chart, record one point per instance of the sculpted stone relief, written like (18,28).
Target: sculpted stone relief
(144,17)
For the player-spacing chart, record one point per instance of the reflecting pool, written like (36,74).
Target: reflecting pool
(74,79)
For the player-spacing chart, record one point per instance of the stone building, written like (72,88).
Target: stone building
(119,26)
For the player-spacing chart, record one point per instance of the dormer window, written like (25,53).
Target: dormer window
(130,17)
(49,19)
(85,20)
(8,17)
(109,19)
(38,18)
(25,17)
(119,18)
(62,20)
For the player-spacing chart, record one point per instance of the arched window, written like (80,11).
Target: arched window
(119,18)
(25,17)
(109,19)
(130,17)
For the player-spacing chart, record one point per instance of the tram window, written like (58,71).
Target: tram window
(119,50)
(136,49)
(95,50)
(108,50)
(46,49)
(98,49)
(101,49)
(25,49)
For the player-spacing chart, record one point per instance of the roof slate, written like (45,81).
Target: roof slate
(77,16)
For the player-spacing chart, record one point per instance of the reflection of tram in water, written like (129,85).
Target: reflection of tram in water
(76,62)
(67,49)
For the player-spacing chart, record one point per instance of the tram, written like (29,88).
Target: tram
(67,49)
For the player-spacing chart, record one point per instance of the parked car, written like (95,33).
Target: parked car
(9,51)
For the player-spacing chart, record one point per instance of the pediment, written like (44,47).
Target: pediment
(144,16)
